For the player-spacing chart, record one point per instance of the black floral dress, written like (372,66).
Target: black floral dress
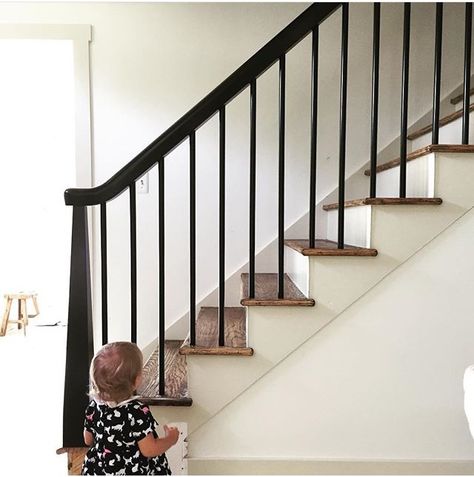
(116,432)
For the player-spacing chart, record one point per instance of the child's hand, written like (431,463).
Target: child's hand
(171,433)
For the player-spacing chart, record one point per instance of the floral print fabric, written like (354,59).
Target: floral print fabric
(116,432)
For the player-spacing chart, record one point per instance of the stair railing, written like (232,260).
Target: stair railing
(79,341)
(404,90)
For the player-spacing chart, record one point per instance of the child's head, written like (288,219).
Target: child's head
(115,371)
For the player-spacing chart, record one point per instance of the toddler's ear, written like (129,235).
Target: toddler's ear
(138,381)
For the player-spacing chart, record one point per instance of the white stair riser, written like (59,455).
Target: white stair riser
(444,175)
(447,175)
(357,225)
(297,268)
(420,179)
(448,134)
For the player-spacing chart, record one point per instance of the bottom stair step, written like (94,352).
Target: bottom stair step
(176,382)
(207,333)
(266,292)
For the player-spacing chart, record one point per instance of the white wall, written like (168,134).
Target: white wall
(382,382)
(151,62)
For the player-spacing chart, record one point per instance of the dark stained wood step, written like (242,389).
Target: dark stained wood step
(442,122)
(457,99)
(176,383)
(386,201)
(328,248)
(266,292)
(459,148)
(207,333)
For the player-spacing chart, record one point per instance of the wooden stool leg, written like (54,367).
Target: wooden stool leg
(19,314)
(24,315)
(25,309)
(35,304)
(6,316)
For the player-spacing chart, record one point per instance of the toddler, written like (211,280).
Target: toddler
(118,428)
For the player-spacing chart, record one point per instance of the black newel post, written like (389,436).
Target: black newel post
(80,348)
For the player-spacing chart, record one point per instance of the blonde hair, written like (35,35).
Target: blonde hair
(114,371)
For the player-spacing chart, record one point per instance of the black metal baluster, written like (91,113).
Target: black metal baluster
(314,124)
(281,179)
(252,185)
(467,74)
(375,101)
(342,123)
(437,73)
(221,226)
(404,102)
(103,270)
(192,238)
(133,262)
(161,273)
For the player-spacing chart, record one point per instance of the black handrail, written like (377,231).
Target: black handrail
(206,108)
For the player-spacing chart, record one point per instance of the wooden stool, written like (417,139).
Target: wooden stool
(22,310)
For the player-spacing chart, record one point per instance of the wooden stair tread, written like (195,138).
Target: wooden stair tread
(457,99)
(328,248)
(207,333)
(176,383)
(442,122)
(266,292)
(463,148)
(386,201)
(187,349)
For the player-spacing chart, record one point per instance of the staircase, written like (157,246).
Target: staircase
(228,349)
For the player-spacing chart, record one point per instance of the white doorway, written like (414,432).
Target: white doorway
(37,165)
(44,149)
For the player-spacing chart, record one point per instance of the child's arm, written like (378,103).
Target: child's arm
(151,447)
(88,438)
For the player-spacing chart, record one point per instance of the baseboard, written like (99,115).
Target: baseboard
(209,466)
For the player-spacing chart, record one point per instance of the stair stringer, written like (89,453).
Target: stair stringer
(335,283)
